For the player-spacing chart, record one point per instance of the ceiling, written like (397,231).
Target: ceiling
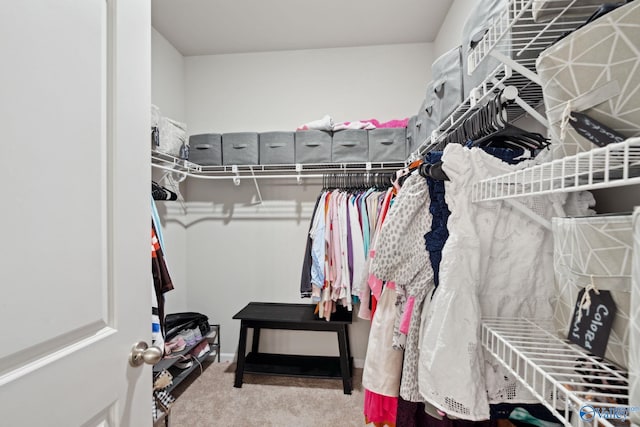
(209,27)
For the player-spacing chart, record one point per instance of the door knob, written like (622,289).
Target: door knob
(142,353)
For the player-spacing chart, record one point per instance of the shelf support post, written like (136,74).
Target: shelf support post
(255,182)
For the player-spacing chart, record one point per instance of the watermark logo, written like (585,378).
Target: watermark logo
(589,413)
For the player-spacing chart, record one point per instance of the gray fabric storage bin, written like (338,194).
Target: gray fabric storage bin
(350,145)
(426,121)
(446,72)
(476,25)
(277,148)
(388,145)
(478,22)
(206,149)
(240,148)
(312,146)
(412,140)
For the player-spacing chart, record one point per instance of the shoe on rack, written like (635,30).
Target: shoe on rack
(188,336)
(197,334)
(184,364)
(175,345)
(200,350)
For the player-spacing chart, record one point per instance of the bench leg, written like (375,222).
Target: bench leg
(256,340)
(346,333)
(242,349)
(345,367)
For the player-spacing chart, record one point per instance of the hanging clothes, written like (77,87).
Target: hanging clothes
(340,232)
(400,255)
(306,280)
(401,261)
(437,236)
(161,281)
(383,364)
(157,337)
(486,271)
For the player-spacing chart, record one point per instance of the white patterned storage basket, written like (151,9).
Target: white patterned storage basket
(594,250)
(634,333)
(594,70)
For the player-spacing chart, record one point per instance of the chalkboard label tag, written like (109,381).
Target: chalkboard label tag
(593,130)
(591,324)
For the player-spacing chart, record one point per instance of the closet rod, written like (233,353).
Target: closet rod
(236,176)
(508,94)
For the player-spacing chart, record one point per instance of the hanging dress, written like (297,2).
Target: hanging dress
(495,262)
(400,260)
(401,257)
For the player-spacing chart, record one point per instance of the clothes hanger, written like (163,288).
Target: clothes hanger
(504,134)
(162,193)
(434,171)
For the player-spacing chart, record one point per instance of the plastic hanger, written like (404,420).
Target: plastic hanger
(500,133)
(162,193)
(433,171)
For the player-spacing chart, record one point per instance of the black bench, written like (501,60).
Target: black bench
(262,315)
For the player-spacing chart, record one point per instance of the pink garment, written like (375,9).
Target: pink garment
(376,285)
(326,123)
(371,124)
(379,408)
(390,124)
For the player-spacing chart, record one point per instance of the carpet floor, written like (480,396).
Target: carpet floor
(210,400)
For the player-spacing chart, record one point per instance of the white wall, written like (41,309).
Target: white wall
(238,252)
(450,34)
(167,77)
(167,93)
(283,90)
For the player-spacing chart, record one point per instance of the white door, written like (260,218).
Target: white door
(74,216)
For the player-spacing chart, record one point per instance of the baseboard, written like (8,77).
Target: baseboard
(227,357)
(230,357)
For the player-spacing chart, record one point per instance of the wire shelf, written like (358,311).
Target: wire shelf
(503,76)
(577,387)
(516,40)
(515,32)
(614,165)
(171,163)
